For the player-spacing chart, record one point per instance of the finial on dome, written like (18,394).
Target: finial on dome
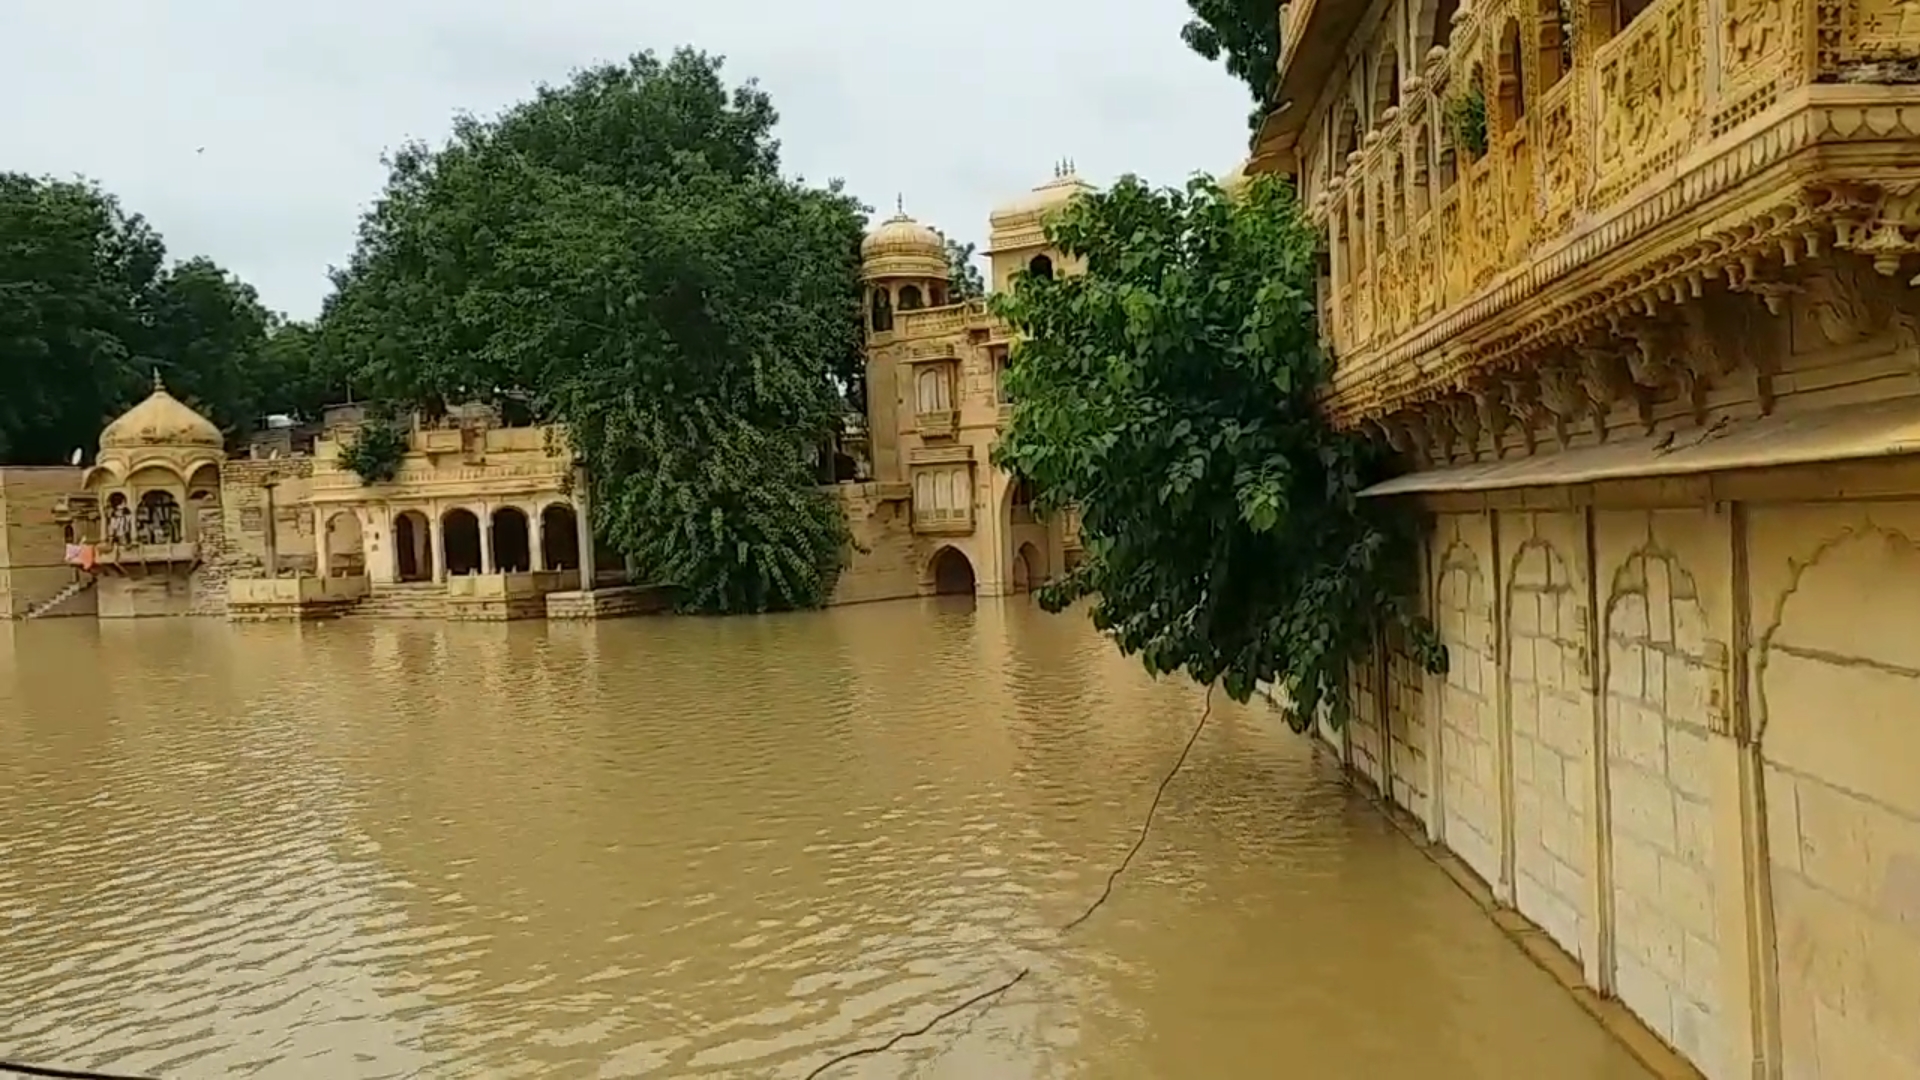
(157,384)
(900,205)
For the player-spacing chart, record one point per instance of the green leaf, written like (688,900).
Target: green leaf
(1224,536)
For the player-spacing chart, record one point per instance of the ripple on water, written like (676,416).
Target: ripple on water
(706,848)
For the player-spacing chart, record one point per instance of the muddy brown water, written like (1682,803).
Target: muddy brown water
(709,848)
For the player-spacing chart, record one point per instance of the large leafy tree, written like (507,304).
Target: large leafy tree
(74,271)
(1170,394)
(622,254)
(90,308)
(1246,35)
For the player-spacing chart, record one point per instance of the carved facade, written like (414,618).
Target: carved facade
(1631,288)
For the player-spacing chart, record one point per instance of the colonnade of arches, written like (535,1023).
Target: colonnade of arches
(510,539)
(951,572)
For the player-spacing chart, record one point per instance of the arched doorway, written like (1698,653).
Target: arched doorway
(952,573)
(346,546)
(412,547)
(512,546)
(1028,568)
(559,537)
(157,519)
(460,532)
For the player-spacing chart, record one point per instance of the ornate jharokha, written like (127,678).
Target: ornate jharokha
(1553,223)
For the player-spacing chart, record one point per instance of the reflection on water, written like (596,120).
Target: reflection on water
(708,848)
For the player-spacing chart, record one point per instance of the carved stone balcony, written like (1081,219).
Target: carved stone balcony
(937,423)
(176,553)
(1706,148)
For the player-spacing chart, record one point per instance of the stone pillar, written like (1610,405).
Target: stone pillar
(273,528)
(536,541)
(439,543)
(485,515)
(583,528)
(320,555)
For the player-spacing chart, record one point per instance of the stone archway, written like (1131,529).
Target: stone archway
(412,547)
(512,541)
(345,546)
(1028,573)
(952,573)
(559,537)
(460,532)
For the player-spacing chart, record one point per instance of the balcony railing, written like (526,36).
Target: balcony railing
(179,552)
(937,423)
(936,522)
(1432,246)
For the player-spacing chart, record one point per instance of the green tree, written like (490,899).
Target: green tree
(90,308)
(1170,394)
(963,276)
(73,271)
(1246,33)
(205,331)
(622,253)
(293,374)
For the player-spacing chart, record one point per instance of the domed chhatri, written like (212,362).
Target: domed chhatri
(903,247)
(1027,210)
(161,420)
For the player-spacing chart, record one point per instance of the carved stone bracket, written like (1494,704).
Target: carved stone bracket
(1464,417)
(1523,404)
(1881,224)
(1606,381)
(1490,407)
(1562,397)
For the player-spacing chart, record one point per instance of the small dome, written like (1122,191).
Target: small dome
(903,247)
(1065,186)
(161,420)
(901,235)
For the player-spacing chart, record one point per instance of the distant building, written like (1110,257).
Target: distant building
(485,521)
(937,516)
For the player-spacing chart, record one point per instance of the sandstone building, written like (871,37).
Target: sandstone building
(937,515)
(1630,286)
(484,521)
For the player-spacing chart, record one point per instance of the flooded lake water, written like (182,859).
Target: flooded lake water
(710,848)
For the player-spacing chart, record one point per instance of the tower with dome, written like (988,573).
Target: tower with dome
(936,515)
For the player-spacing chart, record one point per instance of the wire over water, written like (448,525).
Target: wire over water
(992,994)
(22,1069)
(988,996)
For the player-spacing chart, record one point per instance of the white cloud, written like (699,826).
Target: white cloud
(956,107)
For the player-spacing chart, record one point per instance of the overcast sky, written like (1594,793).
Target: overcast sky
(954,106)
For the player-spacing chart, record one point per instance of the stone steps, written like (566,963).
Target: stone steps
(423,600)
(61,597)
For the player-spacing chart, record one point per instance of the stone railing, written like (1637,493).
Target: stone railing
(937,423)
(940,320)
(1438,248)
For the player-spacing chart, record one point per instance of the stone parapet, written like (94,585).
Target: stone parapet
(616,602)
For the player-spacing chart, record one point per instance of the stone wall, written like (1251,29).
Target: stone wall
(33,566)
(1679,734)
(620,601)
(884,562)
(243,505)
